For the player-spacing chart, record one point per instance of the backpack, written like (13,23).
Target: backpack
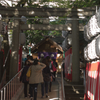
(53,67)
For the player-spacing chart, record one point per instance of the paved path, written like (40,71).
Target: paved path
(53,95)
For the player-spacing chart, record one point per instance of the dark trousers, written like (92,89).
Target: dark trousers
(25,89)
(33,88)
(54,74)
(44,86)
(50,84)
(29,89)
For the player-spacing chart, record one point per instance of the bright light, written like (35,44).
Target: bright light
(0,16)
(59,66)
(54,98)
(69,28)
(58,55)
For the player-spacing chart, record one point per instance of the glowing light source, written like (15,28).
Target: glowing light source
(59,66)
(58,55)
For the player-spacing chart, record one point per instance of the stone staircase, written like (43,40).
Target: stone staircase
(74,92)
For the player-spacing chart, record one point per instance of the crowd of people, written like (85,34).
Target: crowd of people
(38,71)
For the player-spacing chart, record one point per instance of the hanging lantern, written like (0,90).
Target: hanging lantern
(64,44)
(69,39)
(23,19)
(98,46)
(64,34)
(22,38)
(93,27)
(86,54)
(86,33)
(92,50)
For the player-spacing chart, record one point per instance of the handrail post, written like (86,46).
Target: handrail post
(1,94)
(4,93)
(62,85)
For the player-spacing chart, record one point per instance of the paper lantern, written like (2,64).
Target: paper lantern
(64,34)
(93,27)
(23,19)
(86,54)
(69,39)
(64,44)
(92,50)
(22,38)
(98,46)
(86,33)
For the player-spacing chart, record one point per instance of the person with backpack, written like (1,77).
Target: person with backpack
(54,68)
(35,76)
(23,77)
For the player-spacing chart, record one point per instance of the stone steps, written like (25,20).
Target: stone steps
(74,92)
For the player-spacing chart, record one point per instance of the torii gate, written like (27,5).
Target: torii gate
(31,12)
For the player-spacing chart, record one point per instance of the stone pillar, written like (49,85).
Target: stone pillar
(75,47)
(15,49)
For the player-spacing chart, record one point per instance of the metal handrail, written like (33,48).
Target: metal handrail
(11,88)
